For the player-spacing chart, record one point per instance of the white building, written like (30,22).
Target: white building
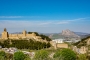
(58,40)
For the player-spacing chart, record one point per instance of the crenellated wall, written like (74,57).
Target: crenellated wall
(24,34)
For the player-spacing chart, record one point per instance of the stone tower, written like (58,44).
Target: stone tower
(5,29)
(5,34)
(24,33)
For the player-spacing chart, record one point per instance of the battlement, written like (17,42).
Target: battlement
(24,34)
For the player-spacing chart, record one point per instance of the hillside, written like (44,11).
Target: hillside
(68,33)
(83,42)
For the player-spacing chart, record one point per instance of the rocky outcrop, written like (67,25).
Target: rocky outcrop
(68,33)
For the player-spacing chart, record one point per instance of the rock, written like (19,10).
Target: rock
(69,33)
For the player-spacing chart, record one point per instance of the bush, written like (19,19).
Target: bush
(27,57)
(41,55)
(65,54)
(2,55)
(19,56)
(9,56)
(82,57)
(57,55)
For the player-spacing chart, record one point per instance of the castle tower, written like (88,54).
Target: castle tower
(5,29)
(24,33)
(5,34)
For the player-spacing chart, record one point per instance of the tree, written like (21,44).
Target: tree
(45,37)
(41,55)
(26,44)
(33,32)
(19,56)
(65,54)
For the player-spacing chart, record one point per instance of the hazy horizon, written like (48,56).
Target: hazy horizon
(45,16)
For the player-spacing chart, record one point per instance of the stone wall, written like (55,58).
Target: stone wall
(5,35)
(62,45)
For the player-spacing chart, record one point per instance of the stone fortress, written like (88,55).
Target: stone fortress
(6,35)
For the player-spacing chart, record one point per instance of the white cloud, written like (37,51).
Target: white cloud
(11,16)
(15,23)
(68,21)
(35,23)
(63,22)
(42,25)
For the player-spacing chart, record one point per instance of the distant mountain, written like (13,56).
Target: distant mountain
(84,36)
(81,33)
(68,33)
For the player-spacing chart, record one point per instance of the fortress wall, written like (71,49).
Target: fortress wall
(62,45)
(13,38)
(29,35)
(38,37)
(5,35)
(13,35)
(20,35)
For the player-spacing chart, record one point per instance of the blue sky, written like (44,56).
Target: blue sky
(47,16)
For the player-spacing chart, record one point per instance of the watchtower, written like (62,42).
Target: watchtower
(24,33)
(5,34)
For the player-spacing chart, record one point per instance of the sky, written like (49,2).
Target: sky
(45,16)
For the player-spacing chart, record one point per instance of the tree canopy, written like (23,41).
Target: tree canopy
(25,44)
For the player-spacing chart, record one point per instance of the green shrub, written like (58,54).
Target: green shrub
(41,55)
(57,55)
(9,56)
(19,56)
(82,57)
(2,55)
(27,57)
(65,54)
